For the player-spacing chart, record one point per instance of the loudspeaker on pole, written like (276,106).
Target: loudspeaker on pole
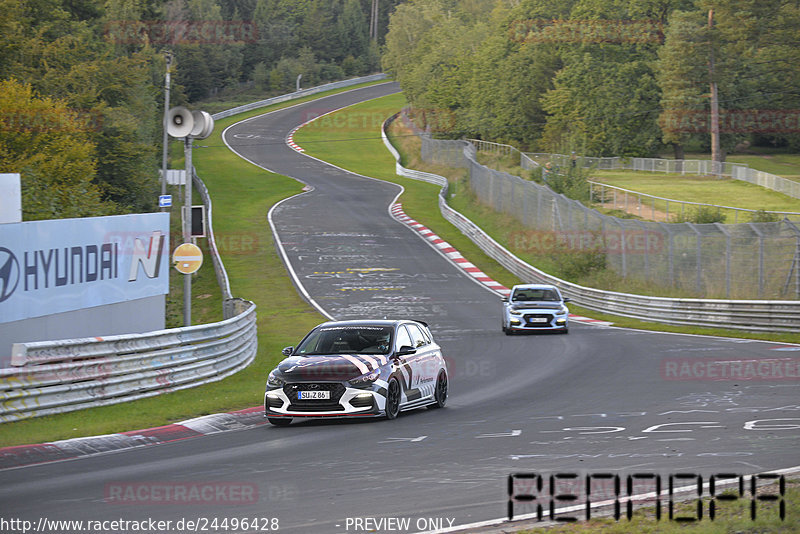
(180,122)
(203,124)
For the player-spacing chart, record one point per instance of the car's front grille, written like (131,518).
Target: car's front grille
(537,322)
(311,405)
(316,408)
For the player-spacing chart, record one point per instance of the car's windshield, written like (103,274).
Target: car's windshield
(347,340)
(534,294)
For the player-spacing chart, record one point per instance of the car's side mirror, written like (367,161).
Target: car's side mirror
(567,299)
(405,350)
(505,299)
(287,351)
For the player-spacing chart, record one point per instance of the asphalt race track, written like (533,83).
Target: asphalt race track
(599,400)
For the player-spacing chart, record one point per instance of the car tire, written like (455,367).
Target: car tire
(280,421)
(440,394)
(392,399)
(565,331)
(509,332)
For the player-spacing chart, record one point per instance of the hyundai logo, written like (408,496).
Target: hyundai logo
(9,273)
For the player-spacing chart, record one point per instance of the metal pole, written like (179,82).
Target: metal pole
(728,252)
(622,249)
(671,258)
(165,139)
(797,270)
(187,230)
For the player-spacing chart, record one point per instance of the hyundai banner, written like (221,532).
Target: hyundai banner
(62,265)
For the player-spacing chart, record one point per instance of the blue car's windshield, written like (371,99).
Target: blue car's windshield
(347,340)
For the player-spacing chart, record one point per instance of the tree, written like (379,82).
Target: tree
(50,145)
(755,51)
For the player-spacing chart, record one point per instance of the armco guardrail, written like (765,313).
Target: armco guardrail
(755,315)
(66,375)
(299,94)
(219,268)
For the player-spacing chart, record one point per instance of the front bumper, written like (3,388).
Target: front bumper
(345,402)
(538,320)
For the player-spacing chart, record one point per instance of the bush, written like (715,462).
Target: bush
(571,184)
(761,216)
(703,215)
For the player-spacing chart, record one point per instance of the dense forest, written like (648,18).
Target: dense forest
(81,82)
(601,77)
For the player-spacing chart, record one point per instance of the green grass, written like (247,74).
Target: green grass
(703,189)
(775,161)
(350,139)
(493,223)
(242,195)
(329,140)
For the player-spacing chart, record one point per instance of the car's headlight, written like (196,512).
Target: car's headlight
(515,312)
(274,382)
(562,310)
(366,379)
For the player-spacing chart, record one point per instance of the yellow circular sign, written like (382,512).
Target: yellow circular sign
(187,258)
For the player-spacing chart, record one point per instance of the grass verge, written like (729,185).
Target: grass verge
(346,140)
(350,138)
(774,161)
(702,189)
(242,194)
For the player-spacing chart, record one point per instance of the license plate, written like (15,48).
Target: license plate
(313,395)
(537,320)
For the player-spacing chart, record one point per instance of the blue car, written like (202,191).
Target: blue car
(535,308)
(347,369)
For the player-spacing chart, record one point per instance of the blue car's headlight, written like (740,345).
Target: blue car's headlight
(273,381)
(562,310)
(366,379)
(514,312)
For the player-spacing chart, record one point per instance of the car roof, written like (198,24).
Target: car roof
(370,322)
(533,286)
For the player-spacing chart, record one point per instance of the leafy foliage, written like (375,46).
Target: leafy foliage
(50,145)
(703,215)
(607,77)
(104,60)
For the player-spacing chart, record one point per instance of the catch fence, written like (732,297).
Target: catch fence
(730,261)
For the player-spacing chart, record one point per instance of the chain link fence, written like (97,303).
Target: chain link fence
(662,209)
(731,261)
(672,166)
